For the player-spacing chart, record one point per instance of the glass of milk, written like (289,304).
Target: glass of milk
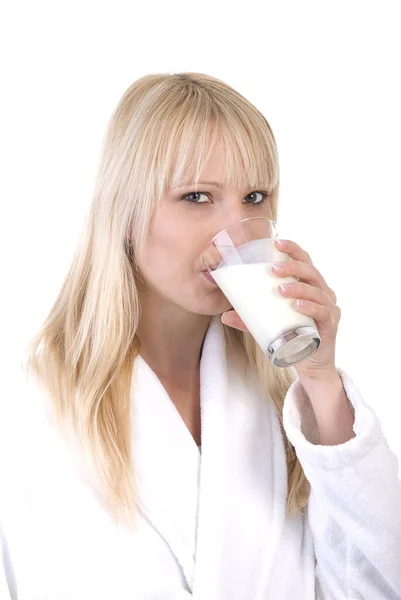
(240,259)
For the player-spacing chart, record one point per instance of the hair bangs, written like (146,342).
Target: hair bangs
(250,159)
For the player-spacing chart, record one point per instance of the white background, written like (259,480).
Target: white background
(325,74)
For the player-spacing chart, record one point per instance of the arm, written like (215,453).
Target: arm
(333,411)
(354,509)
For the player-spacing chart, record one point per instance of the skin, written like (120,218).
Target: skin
(178,301)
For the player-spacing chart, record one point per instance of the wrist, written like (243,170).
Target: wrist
(333,410)
(325,377)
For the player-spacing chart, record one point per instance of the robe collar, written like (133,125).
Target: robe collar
(221,511)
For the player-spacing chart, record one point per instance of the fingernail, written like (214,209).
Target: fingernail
(281,242)
(278,266)
(303,303)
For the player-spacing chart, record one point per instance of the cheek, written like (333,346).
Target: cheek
(168,252)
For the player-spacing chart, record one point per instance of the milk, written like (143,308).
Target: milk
(252,291)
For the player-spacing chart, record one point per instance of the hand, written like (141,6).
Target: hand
(322,308)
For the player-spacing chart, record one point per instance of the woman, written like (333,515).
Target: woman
(161,455)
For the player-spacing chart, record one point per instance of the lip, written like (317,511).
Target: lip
(209,277)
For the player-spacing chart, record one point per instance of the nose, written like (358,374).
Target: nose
(228,218)
(231,215)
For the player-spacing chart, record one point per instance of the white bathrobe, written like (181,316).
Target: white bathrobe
(212,523)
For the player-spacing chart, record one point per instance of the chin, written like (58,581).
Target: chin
(211,306)
(200,302)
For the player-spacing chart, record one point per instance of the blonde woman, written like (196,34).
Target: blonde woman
(157,453)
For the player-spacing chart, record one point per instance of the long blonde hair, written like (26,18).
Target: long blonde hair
(83,353)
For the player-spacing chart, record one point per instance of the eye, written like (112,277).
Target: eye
(263,195)
(186,197)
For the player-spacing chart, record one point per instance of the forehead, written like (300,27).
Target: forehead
(226,157)
(218,171)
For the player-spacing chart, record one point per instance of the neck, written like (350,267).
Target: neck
(171,341)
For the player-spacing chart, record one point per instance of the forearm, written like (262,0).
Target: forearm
(334,415)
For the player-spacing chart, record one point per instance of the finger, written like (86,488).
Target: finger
(294,250)
(332,295)
(305,291)
(296,253)
(321,314)
(232,319)
(304,271)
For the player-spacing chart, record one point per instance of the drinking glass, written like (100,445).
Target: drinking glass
(240,259)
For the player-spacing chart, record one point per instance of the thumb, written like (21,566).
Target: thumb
(232,319)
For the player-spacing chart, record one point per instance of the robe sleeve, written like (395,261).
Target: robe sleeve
(6,574)
(354,510)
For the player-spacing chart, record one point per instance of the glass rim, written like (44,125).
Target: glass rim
(237,224)
(229,228)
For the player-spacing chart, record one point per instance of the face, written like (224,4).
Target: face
(183,225)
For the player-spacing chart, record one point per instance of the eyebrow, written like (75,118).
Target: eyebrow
(215,183)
